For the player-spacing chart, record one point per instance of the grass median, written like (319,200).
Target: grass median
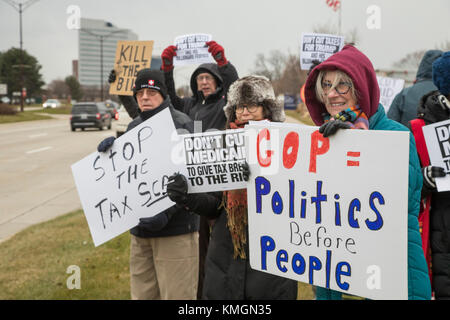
(34,263)
(34,114)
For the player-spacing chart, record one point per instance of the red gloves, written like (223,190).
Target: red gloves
(217,52)
(167,58)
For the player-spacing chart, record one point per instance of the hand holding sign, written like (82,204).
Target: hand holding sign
(217,52)
(167,58)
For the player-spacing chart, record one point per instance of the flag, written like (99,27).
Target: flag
(335,4)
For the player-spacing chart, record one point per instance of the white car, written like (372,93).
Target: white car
(51,103)
(123,119)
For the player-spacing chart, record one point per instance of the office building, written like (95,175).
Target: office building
(97,40)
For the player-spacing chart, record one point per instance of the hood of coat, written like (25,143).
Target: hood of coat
(210,68)
(253,90)
(433,107)
(359,68)
(424,72)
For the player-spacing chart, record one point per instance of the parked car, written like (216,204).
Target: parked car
(51,103)
(112,108)
(123,119)
(90,115)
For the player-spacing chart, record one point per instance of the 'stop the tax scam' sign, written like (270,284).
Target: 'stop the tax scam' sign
(331,212)
(129,181)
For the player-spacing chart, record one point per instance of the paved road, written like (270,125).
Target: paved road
(36,182)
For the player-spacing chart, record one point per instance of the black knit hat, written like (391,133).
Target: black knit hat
(151,79)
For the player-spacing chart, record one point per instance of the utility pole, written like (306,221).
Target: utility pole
(20,7)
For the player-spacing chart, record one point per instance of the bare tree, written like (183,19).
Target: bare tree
(412,60)
(351,36)
(58,89)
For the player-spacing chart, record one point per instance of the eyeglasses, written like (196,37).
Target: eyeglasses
(206,77)
(149,92)
(251,109)
(341,87)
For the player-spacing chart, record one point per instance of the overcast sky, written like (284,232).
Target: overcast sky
(243,27)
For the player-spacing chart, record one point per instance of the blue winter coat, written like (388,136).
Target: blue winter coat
(419,286)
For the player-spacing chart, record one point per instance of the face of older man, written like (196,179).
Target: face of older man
(206,83)
(148,99)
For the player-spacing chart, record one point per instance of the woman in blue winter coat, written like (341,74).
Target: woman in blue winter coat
(342,93)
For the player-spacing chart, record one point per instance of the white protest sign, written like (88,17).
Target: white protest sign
(437,138)
(389,88)
(191,49)
(214,160)
(331,212)
(129,181)
(316,46)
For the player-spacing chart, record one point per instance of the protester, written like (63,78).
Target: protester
(128,102)
(209,85)
(435,209)
(164,248)
(341,93)
(404,106)
(228,274)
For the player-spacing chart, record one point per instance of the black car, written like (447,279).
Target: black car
(90,115)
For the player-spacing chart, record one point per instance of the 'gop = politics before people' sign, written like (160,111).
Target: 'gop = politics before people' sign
(129,181)
(437,139)
(214,160)
(331,212)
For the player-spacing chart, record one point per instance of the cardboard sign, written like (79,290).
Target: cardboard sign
(331,212)
(131,56)
(320,47)
(129,181)
(437,138)
(191,49)
(389,88)
(214,160)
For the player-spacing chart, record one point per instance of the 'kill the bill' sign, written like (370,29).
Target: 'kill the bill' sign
(331,212)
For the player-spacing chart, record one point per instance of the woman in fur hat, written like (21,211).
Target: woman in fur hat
(228,274)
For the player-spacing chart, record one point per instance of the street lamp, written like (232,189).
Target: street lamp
(101,37)
(20,7)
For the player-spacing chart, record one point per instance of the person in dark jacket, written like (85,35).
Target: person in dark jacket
(228,274)
(435,107)
(128,102)
(164,248)
(404,106)
(209,84)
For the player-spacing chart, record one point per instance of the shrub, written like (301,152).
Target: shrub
(7,109)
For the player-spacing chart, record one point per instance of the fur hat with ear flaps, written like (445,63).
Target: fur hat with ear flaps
(254,90)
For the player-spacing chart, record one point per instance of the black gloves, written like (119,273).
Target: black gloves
(154,223)
(429,175)
(177,189)
(329,128)
(106,144)
(245,170)
(112,76)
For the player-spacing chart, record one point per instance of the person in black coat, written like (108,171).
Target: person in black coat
(228,274)
(164,248)
(209,84)
(435,107)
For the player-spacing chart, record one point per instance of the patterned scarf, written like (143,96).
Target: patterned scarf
(354,116)
(235,203)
